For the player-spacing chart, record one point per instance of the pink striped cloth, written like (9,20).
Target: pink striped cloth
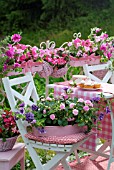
(106,132)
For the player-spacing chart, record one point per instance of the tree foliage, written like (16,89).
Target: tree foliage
(16,15)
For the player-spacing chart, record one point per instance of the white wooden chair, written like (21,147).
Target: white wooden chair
(89,69)
(62,149)
(88,72)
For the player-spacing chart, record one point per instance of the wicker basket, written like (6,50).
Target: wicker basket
(59,72)
(100,73)
(8,145)
(47,69)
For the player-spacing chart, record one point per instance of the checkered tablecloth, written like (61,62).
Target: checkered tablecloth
(106,125)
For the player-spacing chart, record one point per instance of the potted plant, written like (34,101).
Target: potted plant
(19,57)
(8,130)
(61,112)
(57,59)
(97,48)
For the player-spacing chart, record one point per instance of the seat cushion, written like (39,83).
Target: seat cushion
(62,140)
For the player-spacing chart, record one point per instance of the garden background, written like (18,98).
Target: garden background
(54,20)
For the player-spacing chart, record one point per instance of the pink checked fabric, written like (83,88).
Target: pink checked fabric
(62,140)
(106,125)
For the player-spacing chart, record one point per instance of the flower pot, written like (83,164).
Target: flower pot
(46,71)
(8,145)
(59,72)
(91,60)
(58,130)
(28,66)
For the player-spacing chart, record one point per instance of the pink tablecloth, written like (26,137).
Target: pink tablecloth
(106,126)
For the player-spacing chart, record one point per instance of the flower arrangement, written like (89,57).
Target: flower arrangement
(60,111)
(103,44)
(97,44)
(56,57)
(8,127)
(16,55)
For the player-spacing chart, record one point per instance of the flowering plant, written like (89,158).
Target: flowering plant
(56,57)
(60,111)
(8,126)
(16,54)
(103,44)
(97,44)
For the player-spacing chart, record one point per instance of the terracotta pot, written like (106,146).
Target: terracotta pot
(8,145)
(91,60)
(58,130)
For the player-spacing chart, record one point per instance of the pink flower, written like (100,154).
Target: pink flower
(65,96)
(98,30)
(52,116)
(72,105)
(10,53)
(88,102)
(80,100)
(16,65)
(62,106)
(34,52)
(103,47)
(75,112)
(22,58)
(48,98)
(44,111)
(70,44)
(86,108)
(16,38)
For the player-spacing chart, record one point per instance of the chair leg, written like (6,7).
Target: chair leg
(101,149)
(65,165)
(77,157)
(22,163)
(111,158)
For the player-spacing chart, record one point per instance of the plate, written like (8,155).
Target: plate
(93,89)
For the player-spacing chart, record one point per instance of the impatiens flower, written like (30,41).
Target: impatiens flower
(62,106)
(49,98)
(80,100)
(16,38)
(75,112)
(44,111)
(72,105)
(86,108)
(52,116)
(33,122)
(88,102)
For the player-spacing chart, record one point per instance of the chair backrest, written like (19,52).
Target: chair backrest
(89,69)
(29,94)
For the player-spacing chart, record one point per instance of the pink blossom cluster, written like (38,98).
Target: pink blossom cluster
(98,43)
(18,54)
(55,56)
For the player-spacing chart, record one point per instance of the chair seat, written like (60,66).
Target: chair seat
(61,140)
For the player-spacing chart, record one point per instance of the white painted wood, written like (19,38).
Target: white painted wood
(111,158)
(62,151)
(88,69)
